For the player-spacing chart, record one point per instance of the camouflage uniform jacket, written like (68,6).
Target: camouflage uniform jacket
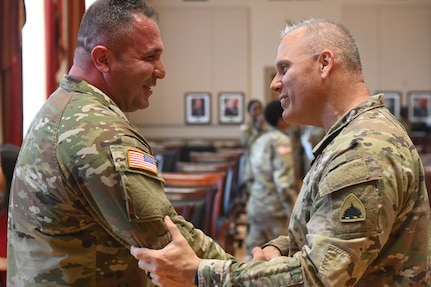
(273,188)
(361,218)
(249,133)
(86,188)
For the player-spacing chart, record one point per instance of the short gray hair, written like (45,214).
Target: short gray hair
(327,34)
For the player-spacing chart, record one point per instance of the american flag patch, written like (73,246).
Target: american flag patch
(142,160)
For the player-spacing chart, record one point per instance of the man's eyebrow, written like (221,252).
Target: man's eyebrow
(155,50)
(282,62)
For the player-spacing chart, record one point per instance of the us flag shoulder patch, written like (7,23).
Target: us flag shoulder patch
(141,160)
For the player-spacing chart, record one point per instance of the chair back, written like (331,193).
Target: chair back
(205,167)
(193,203)
(216,179)
(212,157)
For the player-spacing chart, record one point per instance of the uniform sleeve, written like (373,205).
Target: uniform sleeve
(245,134)
(281,271)
(248,133)
(348,227)
(122,190)
(284,174)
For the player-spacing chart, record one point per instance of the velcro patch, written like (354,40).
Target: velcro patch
(352,209)
(141,160)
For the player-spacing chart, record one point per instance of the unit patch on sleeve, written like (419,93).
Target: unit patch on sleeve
(352,209)
(141,160)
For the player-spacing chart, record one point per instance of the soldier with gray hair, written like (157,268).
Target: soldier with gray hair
(87,185)
(362,215)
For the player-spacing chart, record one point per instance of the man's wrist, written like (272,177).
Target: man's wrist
(271,251)
(196,278)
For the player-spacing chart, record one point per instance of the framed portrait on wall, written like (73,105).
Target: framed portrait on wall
(392,101)
(419,106)
(231,108)
(198,108)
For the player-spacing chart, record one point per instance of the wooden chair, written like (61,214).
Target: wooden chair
(228,185)
(212,157)
(193,203)
(216,179)
(223,225)
(240,195)
(221,156)
(166,156)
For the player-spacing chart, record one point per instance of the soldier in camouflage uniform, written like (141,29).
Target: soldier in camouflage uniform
(86,184)
(251,130)
(273,188)
(362,215)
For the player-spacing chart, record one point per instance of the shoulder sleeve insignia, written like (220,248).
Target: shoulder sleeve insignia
(352,209)
(141,160)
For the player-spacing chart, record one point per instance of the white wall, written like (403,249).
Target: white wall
(394,38)
(34,60)
(203,53)
(33,57)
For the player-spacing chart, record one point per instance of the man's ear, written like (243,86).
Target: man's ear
(326,60)
(101,58)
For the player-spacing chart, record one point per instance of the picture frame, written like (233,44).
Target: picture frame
(419,106)
(198,108)
(230,108)
(392,102)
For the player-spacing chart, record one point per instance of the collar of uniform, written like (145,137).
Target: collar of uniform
(77,85)
(372,102)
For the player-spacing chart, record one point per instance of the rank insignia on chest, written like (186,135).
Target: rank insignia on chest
(141,160)
(352,210)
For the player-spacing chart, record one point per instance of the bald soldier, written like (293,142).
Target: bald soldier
(362,215)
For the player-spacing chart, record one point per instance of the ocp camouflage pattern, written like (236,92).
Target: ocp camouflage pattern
(77,205)
(273,189)
(361,218)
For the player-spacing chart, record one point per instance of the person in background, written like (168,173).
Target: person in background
(8,156)
(256,124)
(86,183)
(249,132)
(273,189)
(362,216)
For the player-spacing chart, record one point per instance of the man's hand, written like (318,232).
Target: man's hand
(173,266)
(266,254)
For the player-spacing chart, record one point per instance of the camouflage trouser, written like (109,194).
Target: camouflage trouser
(262,229)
